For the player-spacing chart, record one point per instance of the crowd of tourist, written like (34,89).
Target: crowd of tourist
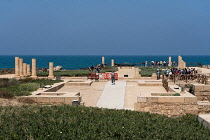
(191,71)
(161,63)
(97,68)
(169,73)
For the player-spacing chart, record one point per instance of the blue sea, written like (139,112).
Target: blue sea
(72,62)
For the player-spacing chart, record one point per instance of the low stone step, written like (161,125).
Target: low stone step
(205,119)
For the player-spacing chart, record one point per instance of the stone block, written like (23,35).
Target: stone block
(43,100)
(68,100)
(200,98)
(141,99)
(136,106)
(206,88)
(152,99)
(57,100)
(177,99)
(192,100)
(198,93)
(164,99)
(198,87)
(146,109)
(206,93)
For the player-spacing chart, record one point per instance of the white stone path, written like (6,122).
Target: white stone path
(112,96)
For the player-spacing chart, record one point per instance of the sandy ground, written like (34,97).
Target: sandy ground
(90,94)
(133,90)
(202,70)
(131,93)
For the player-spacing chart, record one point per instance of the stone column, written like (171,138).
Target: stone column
(21,67)
(34,69)
(51,75)
(28,71)
(103,61)
(169,61)
(24,69)
(112,62)
(179,60)
(137,75)
(17,73)
(181,63)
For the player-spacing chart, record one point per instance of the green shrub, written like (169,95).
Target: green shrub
(26,100)
(147,71)
(45,82)
(13,81)
(4,82)
(176,94)
(28,87)
(6,94)
(26,80)
(23,87)
(78,122)
(80,72)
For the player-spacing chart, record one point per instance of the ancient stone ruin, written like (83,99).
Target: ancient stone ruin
(169,62)
(112,62)
(51,75)
(181,63)
(23,70)
(103,61)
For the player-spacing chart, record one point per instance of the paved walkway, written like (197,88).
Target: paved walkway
(113,96)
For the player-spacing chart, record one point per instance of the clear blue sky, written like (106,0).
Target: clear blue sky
(104,27)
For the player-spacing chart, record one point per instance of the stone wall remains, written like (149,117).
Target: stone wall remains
(202,92)
(168,109)
(172,106)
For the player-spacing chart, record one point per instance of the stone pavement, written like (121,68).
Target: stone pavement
(113,96)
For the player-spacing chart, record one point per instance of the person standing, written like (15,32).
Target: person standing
(92,68)
(158,73)
(113,78)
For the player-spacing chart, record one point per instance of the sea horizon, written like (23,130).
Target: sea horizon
(73,62)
